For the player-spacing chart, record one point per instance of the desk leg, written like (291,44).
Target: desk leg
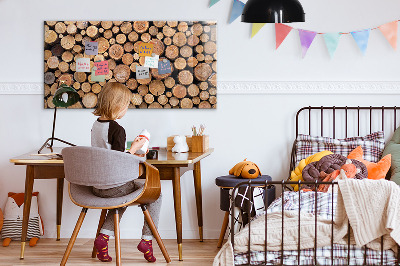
(27,206)
(199,204)
(60,190)
(176,182)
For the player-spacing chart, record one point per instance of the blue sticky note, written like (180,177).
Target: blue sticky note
(91,48)
(164,67)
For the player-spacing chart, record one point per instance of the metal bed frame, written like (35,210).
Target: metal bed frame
(284,184)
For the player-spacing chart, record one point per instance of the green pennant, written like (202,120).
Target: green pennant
(213,2)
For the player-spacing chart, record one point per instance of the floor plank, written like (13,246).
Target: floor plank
(49,252)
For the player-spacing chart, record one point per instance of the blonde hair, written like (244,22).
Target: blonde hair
(112,98)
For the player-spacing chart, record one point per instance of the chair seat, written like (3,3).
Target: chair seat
(83,196)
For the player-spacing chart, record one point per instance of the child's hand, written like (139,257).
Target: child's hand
(137,144)
(143,155)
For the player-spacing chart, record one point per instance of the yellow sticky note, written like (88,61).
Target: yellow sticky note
(145,49)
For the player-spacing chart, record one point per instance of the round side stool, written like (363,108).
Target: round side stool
(228,182)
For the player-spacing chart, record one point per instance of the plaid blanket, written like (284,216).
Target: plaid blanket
(322,204)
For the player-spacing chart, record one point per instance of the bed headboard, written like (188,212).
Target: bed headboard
(344,121)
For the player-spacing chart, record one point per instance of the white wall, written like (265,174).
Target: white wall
(258,127)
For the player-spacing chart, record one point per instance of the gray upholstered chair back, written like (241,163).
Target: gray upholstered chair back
(91,166)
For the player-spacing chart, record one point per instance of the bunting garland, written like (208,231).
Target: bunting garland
(332,41)
(389,30)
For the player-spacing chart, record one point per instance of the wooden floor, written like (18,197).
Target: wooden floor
(50,252)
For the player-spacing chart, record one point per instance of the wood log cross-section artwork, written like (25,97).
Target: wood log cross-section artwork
(189,46)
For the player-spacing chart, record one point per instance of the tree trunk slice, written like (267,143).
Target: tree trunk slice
(82,25)
(92,31)
(186,103)
(133,36)
(199,49)
(86,87)
(103,45)
(143,90)
(168,94)
(144,81)
(146,37)
(172,24)
(60,28)
(57,73)
(85,40)
(205,105)
(200,57)
(203,86)
(142,60)
(51,23)
(212,91)
(153,30)
(193,40)
(53,88)
(68,42)
(179,39)
(109,75)
(89,100)
(53,62)
(172,52)
(149,98)
(112,41)
(116,51)
(213,79)
(136,46)
(168,41)
(111,64)
(50,37)
(156,87)
(97,58)
(202,71)
(197,29)
(167,106)
(196,100)
(47,54)
(136,56)
(78,37)
(183,26)
(136,99)
(49,102)
(106,24)
(46,90)
(169,82)
(63,66)
(193,90)
(185,77)
(72,66)
(159,24)
(132,84)
(77,48)
(143,105)
(76,85)
(133,66)
(66,78)
(120,38)
(208,59)
(204,95)
(127,59)
(192,61)
(80,77)
(180,63)
(95,22)
(212,100)
(214,34)
(57,50)
(96,88)
(158,46)
(162,99)
(140,26)
(206,28)
(173,101)
(168,31)
(115,29)
(122,73)
(160,35)
(108,34)
(204,38)
(49,78)
(126,27)
(210,47)
(83,32)
(46,67)
(186,51)
(128,47)
(117,23)
(179,91)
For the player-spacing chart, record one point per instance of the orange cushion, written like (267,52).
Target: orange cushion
(375,170)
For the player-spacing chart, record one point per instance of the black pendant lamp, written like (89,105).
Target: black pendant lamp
(273,11)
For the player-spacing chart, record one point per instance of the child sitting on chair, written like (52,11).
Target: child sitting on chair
(113,102)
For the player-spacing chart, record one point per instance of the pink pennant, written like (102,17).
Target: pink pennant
(281,31)
(306,39)
(389,30)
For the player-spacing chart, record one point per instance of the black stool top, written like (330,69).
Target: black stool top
(230,181)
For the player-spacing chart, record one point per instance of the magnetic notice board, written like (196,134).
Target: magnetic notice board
(190,48)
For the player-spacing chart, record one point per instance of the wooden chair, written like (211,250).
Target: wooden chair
(85,167)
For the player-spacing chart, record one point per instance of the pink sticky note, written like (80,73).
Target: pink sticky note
(102,68)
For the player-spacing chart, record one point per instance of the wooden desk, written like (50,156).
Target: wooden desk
(169,165)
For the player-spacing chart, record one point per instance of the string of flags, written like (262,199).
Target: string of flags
(361,37)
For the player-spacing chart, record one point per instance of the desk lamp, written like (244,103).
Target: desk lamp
(273,11)
(64,96)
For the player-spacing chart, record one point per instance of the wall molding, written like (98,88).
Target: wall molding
(258,87)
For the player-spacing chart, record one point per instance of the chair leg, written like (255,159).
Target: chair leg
(73,237)
(223,229)
(117,239)
(101,222)
(154,230)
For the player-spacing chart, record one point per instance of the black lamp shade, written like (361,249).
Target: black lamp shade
(65,96)
(273,11)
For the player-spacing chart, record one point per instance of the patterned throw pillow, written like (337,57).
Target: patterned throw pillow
(372,145)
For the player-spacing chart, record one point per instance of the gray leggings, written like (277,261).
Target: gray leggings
(154,208)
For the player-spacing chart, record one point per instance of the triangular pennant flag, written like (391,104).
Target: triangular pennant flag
(361,37)
(213,2)
(306,39)
(332,41)
(237,9)
(255,28)
(390,32)
(281,31)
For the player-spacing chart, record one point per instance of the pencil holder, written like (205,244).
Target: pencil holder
(200,143)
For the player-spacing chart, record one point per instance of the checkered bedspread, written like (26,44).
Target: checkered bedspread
(321,205)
